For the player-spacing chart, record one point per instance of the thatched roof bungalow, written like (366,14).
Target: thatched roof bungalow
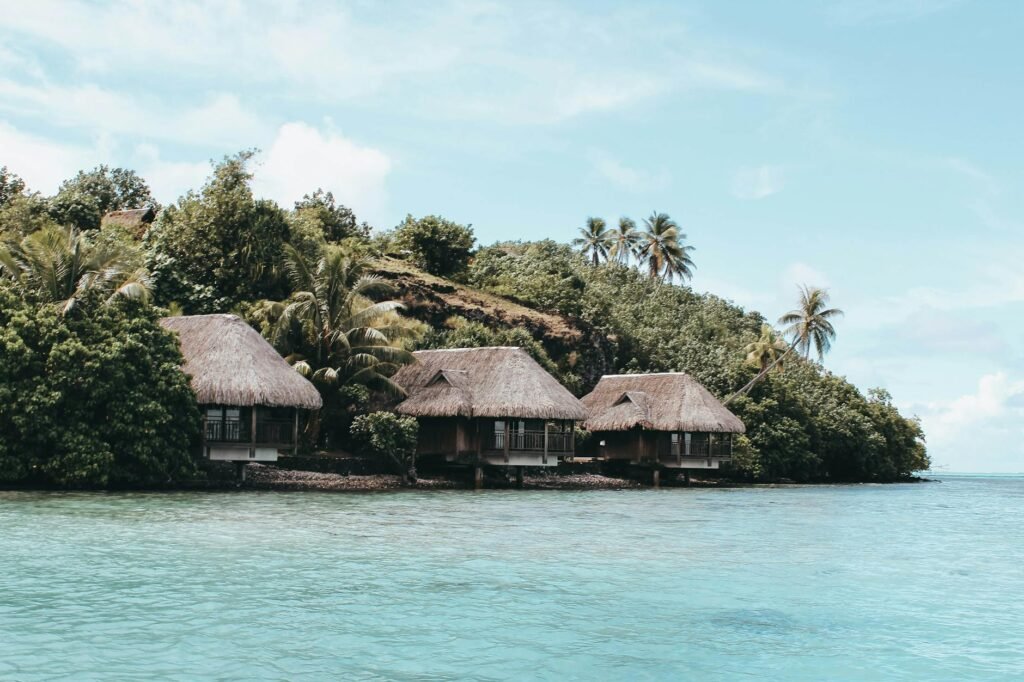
(249,396)
(135,220)
(489,405)
(670,419)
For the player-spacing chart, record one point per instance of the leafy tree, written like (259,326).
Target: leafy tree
(11,185)
(625,241)
(544,275)
(23,214)
(218,248)
(439,246)
(337,222)
(811,323)
(331,331)
(388,437)
(92,398)
(662,248)
(83,200)
(595,240)
(58,265)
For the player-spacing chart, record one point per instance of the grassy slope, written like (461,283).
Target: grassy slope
(434,299)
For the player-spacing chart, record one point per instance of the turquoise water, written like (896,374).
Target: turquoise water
(909,581)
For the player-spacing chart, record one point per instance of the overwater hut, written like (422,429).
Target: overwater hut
(660,419)
(248,395)
(489,406)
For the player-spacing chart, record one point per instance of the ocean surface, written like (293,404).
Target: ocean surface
(898,582)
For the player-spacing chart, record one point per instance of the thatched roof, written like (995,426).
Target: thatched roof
(657,402)
(231,364)
(484,382)
(137,220)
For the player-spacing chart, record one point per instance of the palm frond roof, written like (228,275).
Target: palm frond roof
(672,401)
(497,382)
(231,364)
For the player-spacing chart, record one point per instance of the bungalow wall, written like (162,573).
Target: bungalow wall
(677,450)
(503,442)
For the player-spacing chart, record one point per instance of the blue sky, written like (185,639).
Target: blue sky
(873,147)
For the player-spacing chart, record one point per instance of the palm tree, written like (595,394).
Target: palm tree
(625,241)
(768,351)
(810,324)
(595,240)
(663,248)
(60,265)
(331,331)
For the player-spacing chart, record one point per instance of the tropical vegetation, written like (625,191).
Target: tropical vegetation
(80,297)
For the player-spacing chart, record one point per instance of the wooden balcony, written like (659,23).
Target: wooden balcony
(269,432)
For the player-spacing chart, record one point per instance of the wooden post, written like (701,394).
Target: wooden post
(544,458)
(656,477)
(519,477)
(252,452)
(508,437)
(206,452)
(478,477)
(686,477)
(295,434)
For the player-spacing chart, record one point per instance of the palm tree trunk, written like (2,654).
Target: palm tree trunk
(761,375)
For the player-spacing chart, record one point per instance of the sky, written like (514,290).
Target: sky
(869,146)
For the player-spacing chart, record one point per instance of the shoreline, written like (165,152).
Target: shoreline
(268,478)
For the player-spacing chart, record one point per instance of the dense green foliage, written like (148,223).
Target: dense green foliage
(439,246)
(390,438)
(92,398)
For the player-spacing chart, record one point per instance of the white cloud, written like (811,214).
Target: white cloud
(43,164)
(800,274)
(626,177)
(983,428)
(220,120)
(303,158)
(758,182)
(517,63)
(168,180)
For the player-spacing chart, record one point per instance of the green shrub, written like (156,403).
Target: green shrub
(439,246)
(389,437)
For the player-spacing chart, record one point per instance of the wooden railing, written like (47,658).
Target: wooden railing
(720,446)
(229,430)
(533,441)
(233,430)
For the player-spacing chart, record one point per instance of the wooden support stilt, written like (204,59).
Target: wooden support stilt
(686,477)
(478,477)
(519,477)
(656,477)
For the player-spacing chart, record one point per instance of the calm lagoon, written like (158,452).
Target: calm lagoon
(916,581)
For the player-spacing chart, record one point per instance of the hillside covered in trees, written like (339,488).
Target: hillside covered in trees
(346,305)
